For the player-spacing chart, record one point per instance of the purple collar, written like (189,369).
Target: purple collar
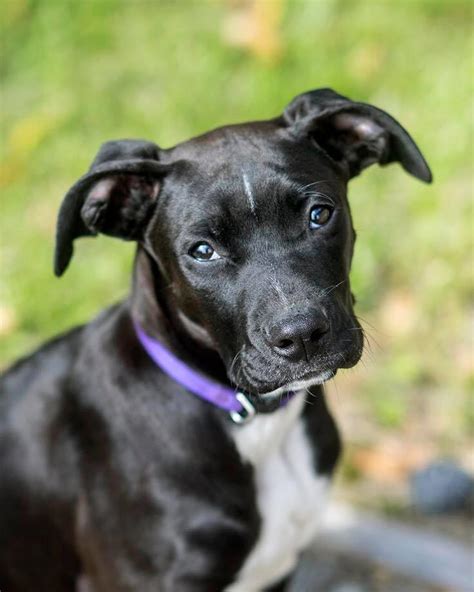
(240,409)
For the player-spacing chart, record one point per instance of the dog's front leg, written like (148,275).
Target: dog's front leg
(150,555)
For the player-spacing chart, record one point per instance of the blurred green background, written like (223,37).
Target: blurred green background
(77,73)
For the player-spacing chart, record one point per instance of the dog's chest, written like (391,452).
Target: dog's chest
(290,494)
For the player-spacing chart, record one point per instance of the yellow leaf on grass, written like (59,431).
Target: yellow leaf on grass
(24,137)
(27,134)
(255,25)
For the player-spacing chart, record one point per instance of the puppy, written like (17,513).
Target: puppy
(180,441)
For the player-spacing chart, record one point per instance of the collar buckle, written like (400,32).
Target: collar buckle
(246,414)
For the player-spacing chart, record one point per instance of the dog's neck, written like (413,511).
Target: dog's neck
(150,306)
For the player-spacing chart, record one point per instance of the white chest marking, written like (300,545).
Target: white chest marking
(290,495)
(248,193)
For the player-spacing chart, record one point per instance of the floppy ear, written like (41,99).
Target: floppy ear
(354,134)
(116,197)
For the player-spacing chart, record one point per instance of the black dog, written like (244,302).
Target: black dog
(115,474)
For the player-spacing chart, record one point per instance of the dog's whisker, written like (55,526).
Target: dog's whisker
(373,327)
(236,358)
(336,388)
(330,289)
(320,182)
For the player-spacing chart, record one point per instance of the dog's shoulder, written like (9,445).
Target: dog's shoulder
(49,360)
(35,398)
(44,371)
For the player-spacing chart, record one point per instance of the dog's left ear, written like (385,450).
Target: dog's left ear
(355,135)
(116,197)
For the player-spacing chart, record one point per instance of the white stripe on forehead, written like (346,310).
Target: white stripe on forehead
(248,193)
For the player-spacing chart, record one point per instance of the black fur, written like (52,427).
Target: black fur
(110,468)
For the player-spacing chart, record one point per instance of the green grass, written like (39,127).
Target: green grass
(77,73)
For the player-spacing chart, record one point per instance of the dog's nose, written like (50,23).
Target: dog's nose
(297,336)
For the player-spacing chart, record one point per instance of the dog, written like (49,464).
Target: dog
(180,441)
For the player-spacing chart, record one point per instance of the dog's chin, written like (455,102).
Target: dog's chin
(299,385)
(269,391)
(270,380)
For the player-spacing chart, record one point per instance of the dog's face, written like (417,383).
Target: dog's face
(255,236)
(250,227)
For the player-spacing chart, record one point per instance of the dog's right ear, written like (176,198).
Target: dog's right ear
(116,197)
(354,134)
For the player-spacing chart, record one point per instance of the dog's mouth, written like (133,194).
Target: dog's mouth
(270,378)
(299,385)
(282,380)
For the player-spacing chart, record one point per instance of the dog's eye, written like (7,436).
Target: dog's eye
(203,252)
(319,215)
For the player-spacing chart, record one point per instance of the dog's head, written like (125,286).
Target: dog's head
(250,227)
